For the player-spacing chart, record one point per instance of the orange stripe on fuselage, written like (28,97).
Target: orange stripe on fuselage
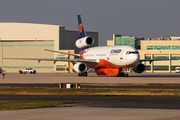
(107,71)
(106,64)
(106,68)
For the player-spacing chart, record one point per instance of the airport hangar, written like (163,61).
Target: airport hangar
(158,48)
(27,40)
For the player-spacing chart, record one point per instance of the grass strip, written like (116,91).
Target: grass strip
(18,105)
(11,90)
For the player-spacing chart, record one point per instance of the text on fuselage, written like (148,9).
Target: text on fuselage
(116,51)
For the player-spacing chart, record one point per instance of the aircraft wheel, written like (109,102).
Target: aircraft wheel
(126,75)
(85,74)
(121,74)
(20,72)
(79,74)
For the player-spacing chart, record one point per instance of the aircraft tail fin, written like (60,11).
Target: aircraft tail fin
(81,28)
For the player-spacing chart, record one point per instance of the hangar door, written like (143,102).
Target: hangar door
(26,49)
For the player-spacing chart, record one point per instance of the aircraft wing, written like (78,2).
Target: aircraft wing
(151,60)
(62,52)
(87,61)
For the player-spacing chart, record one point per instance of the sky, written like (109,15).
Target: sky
(138,18)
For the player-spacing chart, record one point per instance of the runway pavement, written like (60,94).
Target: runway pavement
(99,107)
(90,113)
(152,102)
(95,107)
(92,78)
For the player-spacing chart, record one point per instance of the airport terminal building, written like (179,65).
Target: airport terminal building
(27,40)
(159,48)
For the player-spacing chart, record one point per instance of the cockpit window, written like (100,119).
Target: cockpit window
(131,52)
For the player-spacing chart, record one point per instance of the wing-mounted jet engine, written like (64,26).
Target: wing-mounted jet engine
(84,42)
(139,68)
(81,68)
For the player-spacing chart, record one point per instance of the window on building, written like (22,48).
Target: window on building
(148,68)
(62,68)
(59,68)
(138,47)
(160,57)
(149,47)
(162,47)
(175,57)
(160,68)
(17,67)
(125,41)
(159,47)
(173,67)
(38,67)
(61,57)
(147,57)
(175,47)
(7,67)
(48,67)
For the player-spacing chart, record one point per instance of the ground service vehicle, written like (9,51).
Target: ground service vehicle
(27,70)
(177,69)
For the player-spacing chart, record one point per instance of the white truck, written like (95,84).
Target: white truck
(177,69)
(27,70)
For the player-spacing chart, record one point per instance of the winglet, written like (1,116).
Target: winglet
(81,29)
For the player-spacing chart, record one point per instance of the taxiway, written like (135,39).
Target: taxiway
(95,107)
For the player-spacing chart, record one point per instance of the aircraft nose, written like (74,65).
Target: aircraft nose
(135,58)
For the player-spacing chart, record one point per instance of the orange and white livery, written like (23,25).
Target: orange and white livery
(105,60)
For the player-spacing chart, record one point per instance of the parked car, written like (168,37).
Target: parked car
(27,70)
(177,69)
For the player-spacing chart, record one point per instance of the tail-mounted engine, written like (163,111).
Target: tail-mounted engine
(84,42)
(139,68)
(80,67)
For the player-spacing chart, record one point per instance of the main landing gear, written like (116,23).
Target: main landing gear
(82,74)
(122,74)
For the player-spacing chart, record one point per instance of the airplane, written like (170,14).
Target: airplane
(105,60)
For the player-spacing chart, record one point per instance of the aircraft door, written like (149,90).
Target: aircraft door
(121,54)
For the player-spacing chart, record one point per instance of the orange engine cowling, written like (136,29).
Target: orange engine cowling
(107,71)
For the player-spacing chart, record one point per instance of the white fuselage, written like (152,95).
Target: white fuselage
(117,55)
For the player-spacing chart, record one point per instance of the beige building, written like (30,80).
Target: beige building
(64,66)
(26,40)
(159,48)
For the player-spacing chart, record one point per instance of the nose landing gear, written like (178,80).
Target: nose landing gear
(122,74)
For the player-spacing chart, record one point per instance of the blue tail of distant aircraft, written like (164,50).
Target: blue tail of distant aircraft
(81,29)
